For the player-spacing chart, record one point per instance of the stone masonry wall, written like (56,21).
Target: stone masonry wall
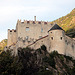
(70,46)
(42,41)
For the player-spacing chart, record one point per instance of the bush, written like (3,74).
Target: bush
(54,53)
(43,47)
(45,73)
(61,58)
(39,50)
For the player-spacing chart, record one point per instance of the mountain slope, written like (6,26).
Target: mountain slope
(3,43)
(36,62)
(67,23)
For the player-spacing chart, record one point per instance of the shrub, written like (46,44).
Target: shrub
(43,47)
(45,73)
(61,58)
(39,50)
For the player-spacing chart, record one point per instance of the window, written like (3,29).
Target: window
(61,38)
(45,22)
(27,22)
(27,28)
(41,29)
(39,22)
(14,30)
(33,22)
(52,38)
(40,36)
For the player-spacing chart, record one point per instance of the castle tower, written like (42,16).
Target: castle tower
(57,39)
(11,37)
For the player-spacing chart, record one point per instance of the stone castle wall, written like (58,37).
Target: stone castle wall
(56,41)
(42,41)
(31,30)
(35,34)
(70,46)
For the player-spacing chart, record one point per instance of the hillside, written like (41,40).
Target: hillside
(36,62)
(67,23)
(3,43)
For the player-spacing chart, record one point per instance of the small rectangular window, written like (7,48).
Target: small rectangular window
(41,29)
(40,37)
(27,28)
(39,22)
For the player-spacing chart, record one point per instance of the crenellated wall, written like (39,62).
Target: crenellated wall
(31,30)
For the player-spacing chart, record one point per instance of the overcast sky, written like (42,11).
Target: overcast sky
(46,10)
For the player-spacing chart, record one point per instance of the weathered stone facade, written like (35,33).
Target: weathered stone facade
(37,33)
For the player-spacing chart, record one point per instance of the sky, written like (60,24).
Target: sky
(45,10)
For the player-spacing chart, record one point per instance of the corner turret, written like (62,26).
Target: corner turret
(57,39)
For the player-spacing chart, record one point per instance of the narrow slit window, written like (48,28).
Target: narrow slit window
(52,38)
(27,28)
(41,29)
(61,38)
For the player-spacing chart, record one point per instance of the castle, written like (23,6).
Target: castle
(34,34)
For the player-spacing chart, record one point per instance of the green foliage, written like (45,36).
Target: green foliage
(43,47)
(68,58)
(8,64)
(54,53)
(32,62)
(3,43)
(67,23)
(61,57)
(50,60)
(39,50)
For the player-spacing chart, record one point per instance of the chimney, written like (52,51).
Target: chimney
(34,18)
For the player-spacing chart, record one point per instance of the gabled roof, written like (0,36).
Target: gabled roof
(55,27)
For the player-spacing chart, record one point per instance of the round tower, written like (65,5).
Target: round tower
(57,39)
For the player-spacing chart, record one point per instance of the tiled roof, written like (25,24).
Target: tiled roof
(55,27)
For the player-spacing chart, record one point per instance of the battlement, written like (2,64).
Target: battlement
(34,22)
(11,30)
